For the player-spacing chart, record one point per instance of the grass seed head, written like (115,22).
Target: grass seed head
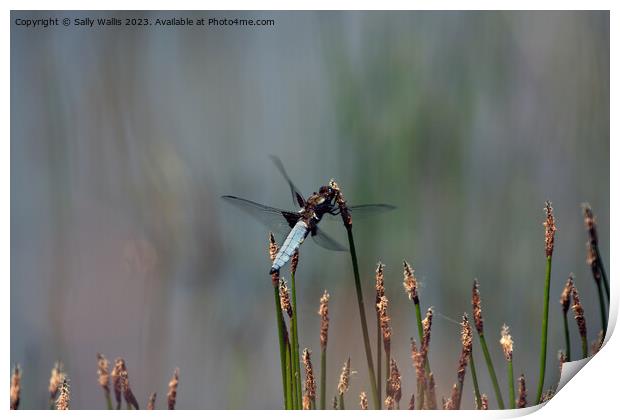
(410,283)
(566,293)
(384,322)
(550,229)
(579,314)
(125,388)
(598,343)
(324,313)
(412,402)
(547,395)
(393,387)
(103,372)
(151,404)
(56,379)
(477,307)
(119,367)
(506,342)
(305,402)
(522,399)
(590,222)
(345,375)
(172,389)
(64,396)
(342,204)
(427,323)
(379,284)
(273,252)
(484,402)
(432,397)
(295,261)
(285,301)
(363,401)
(389,402)
(310,383)
(16,387)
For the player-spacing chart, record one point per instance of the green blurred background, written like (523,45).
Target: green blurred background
(123,139)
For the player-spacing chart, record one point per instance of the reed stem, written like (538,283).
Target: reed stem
(379,352)
(280,323)
(543,337)
(289,383)
(584,347)
(295,347)
(474,378)
(567,337)
(360,304)
(511,385)
(602,306)
(323,377)
(108,400)
(341,401)
(489,362)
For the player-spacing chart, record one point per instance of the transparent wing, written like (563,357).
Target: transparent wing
(324,240)
(278,220)
(365,210)
(298,197)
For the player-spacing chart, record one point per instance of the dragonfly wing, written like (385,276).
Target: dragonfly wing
(366,210)
(298,197)
(324,240)
(278,220)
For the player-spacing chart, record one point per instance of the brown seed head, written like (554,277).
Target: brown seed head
(119,367)
(579,314)
(273,252)
(363,401)
(522,400)
(379,285)
(426,329)
(590,223)
(598,343)
(566,293)
(345,375)
(64,397)
(151,404)
(454,397)
(410,283)
(103,372)
(305,402)
(550,229)
(16,387)
(412,402)
(418,363)
(285,301)
(432,397)
(123,384)
(484,402)
(310,383)
(384,322)
(172,390)
(389,402)
(342,205)
(294,261)
(324,313)
(547,395)
(466,335)
(506,342)
(477,307)
(56,379)
(393,387)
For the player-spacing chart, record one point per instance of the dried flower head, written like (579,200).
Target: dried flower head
(466,335)
(310,384)
(477,307)
(522,400)
(550,229)
(410,283)
(393,388)
(506,342)
(427,323)
(484,402)
(384,322)
(294,262)
(579,314)
(64,397)
(324,313)
(363,401)
(285,301)
(566,293)
(103,372)
(172,390)
(151,404)
(56,379)
(379,284)
(345,375)
(16,387)
(119,367)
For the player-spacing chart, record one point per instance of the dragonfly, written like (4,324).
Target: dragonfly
(297,225)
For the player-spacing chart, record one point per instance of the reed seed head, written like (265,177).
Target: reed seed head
(379,284)
(412,402)
(410,283)
(590,223)
(384,322)
(151,404)
(310,383)
(389,402)
(466,335)
(285,301)
(103,372)
(273,252)
(466,341)
(598,343)
(432,397)
(418,363)
(294,262)
(172,389)
(123,384)
(579,314)
(427,323)
(566,293)
(477,307)
(393,388)
(56,379)
(522,400)
(550,229)
(484,402)
(342,205)
(547,395)
(454,397)
(119,367)
(64,397)
(363,401)
(16,387)
(305,402)
(324,313)
(345,375)
(506,342)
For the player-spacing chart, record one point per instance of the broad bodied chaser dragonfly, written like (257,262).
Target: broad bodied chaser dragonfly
(296,225)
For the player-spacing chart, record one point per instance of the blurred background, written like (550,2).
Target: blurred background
(123,140)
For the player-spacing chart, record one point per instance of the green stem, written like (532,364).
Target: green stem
(487,358)
(584,347)
(323,376)
(474,378)
(567,337)
(341,401)
(379,352)
(360,304)
(511,385)
(280,323)
(601,302)
(602,269)
(289,378)
(295,348)
(543,337)
(421,391)
(108,400)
